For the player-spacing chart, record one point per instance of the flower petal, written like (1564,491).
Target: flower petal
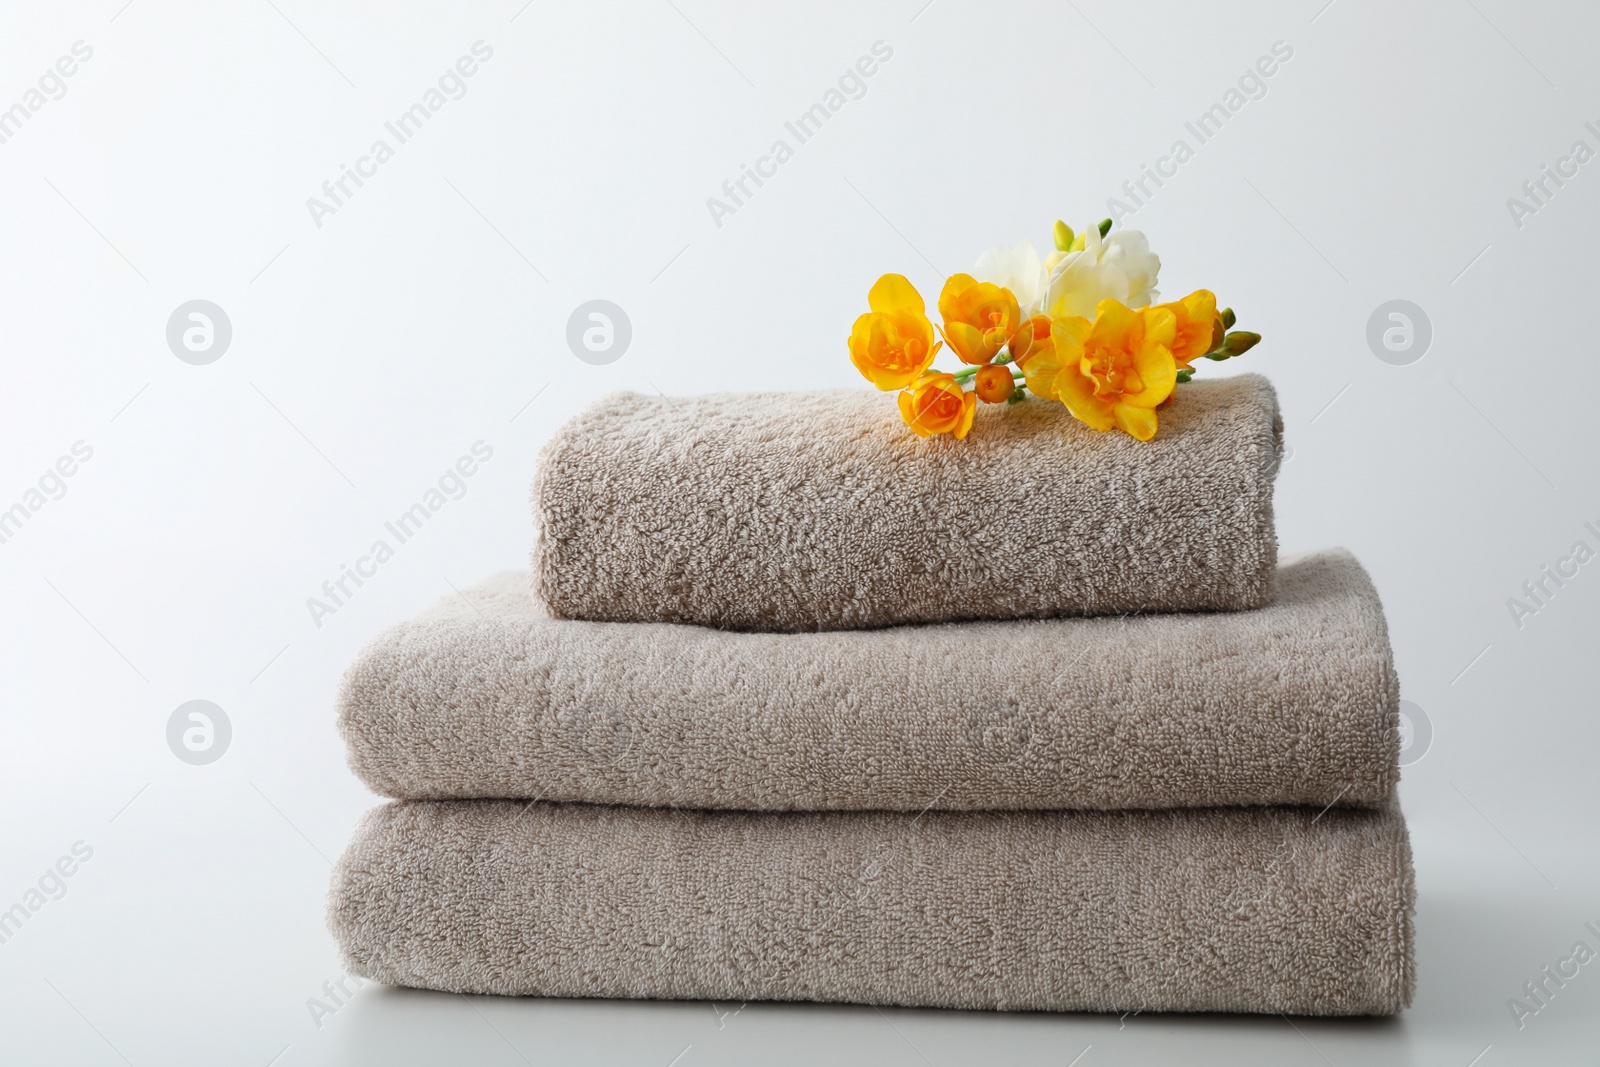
(1068,333)
(1114,320)
(1017,269)
(1034,331)
(894,292)
(1157,370)
(908,414)
(1076,392)
(1129,252)
(1201,305)
(1047,354)
(951,302)
(969,404)
(1139,423)
(1041,369)
(861,347)
(1160,325)
(860,331)
(967,343)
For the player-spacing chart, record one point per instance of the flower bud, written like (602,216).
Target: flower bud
(1228,318)
(1240,342)
(1064,236)
(993,384)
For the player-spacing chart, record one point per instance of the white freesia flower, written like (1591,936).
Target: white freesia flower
(1120,267)
(1017,269)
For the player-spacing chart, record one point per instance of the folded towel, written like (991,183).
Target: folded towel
(821,511)
(1265,910)
(1294,703)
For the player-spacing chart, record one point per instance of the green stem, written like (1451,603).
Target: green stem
(963,375)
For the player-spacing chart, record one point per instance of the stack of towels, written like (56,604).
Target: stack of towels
(798,706)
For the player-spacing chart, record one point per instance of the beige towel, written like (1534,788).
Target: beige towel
(1294,703)
(1264,910)
(821,511)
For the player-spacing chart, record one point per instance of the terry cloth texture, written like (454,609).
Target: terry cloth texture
(484,696)
(1270,910)
(822,511)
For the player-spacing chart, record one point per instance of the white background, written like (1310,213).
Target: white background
(426,314)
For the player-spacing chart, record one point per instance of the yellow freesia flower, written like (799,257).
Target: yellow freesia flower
(1198,328)
(979,318)
(937,404)
(1111,372)
(893,343)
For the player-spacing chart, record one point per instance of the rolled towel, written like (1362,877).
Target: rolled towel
(1243,910)
(822,511)
(1293,703)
